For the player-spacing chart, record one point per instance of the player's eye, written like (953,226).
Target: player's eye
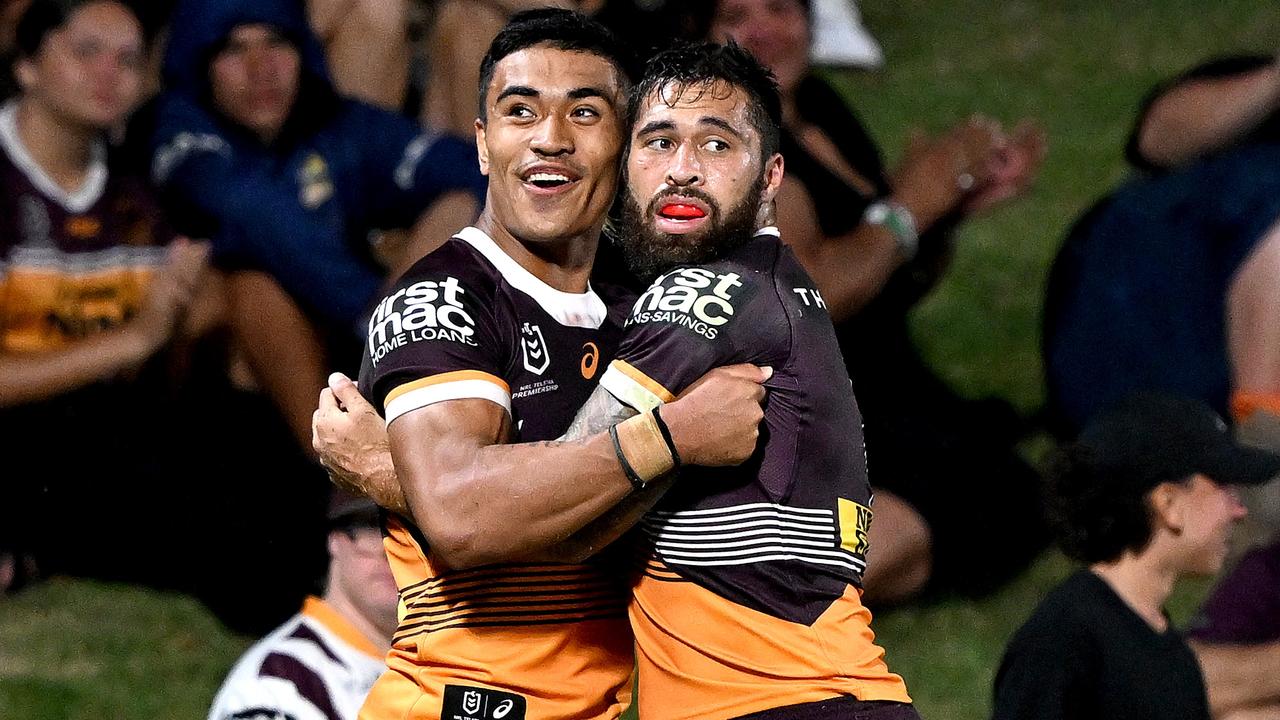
(519,111)
(585,111)
(660,143)
(715,145)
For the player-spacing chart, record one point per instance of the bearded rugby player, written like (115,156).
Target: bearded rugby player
(497,338)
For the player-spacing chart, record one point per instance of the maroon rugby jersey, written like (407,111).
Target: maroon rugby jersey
(749,597)
(71,263)
(467,321)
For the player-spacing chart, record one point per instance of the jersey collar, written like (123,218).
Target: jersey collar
(584,310)
(95,180)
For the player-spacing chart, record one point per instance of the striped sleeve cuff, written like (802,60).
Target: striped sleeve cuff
(459,385)
(633,387)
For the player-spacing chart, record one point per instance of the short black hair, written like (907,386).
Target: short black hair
(704,65)
(1097,513)
(45,16)
(558,28)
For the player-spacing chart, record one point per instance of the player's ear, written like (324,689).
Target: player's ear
(480,146)
(773,173)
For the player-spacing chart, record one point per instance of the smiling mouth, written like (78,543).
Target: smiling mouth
(548,180)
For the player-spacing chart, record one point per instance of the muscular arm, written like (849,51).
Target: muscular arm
(1201,115)
(602,410)
(478,501)
(1239,677)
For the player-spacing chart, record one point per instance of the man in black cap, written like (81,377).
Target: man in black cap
(1144,497)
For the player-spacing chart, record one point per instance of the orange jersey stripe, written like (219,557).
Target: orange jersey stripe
(556,635)
(700,656)
(644,381)
(442,378)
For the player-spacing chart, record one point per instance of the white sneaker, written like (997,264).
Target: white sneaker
(839,38)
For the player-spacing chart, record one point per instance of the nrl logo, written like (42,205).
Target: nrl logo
(536,356)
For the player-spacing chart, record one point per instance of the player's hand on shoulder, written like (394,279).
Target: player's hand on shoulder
(716,420)
(349,437)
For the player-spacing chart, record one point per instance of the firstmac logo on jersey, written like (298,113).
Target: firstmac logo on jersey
(426,310)
(695,298)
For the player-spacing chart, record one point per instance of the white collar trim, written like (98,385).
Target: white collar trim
(769,230)
(95,180)
(584,310)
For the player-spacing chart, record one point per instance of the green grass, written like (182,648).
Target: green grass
(83,650)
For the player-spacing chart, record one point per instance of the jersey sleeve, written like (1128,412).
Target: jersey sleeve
(686,323)
(433,338)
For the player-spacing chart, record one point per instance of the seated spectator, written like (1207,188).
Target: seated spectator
(322,662)
(1236,636)
(1143,497)
(254,147)
(875,241)
(1169,284)
(95,291)
(1212,107)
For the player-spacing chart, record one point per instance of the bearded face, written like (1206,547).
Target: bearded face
(650,245)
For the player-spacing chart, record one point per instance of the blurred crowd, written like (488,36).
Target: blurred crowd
(203,197)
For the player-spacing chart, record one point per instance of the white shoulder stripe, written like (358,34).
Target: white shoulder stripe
(456,390)
(628,391)
(584,310)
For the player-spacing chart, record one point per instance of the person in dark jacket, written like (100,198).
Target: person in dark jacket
(255,149)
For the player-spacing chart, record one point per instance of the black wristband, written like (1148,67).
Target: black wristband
(637,483)
(666,435)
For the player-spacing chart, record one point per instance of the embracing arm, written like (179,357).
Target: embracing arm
(478,501)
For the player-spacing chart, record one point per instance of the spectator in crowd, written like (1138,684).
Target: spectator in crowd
(1216,105)
(1168,284)
(254,146)
(323,661)
(95,290)
(1236,636)
(875,241)
(1144,497)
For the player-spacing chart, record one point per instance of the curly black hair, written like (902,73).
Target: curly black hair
(705,66)
(1097,511)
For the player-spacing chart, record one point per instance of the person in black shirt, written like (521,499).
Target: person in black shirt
(1144,497)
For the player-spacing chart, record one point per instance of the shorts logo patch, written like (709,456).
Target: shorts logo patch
(695,298)
(462,702)
(426,310)
(536,356)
